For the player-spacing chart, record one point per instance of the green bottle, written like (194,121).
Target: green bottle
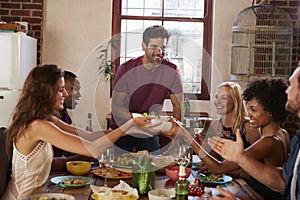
(182,185)
(143,173)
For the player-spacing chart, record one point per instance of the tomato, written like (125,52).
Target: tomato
(196,188)
(192,192)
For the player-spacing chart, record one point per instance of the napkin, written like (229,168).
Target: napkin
(115,193)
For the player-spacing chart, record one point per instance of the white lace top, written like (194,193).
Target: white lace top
(29,172)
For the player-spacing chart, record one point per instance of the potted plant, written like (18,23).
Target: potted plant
(106,64)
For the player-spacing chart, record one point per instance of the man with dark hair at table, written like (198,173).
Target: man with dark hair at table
(72,86)
(284,179)
(141,86)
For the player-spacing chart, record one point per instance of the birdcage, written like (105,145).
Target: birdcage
(262,37)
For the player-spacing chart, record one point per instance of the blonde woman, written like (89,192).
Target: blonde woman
(233,116)
(266,113)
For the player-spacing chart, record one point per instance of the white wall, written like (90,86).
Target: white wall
(74,28)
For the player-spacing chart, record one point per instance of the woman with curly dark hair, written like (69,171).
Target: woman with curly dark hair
(265,100)
(34,129)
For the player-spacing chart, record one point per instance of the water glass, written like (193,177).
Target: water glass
(106,160)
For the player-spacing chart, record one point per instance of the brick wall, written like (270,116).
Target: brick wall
(30,11)
(292,7)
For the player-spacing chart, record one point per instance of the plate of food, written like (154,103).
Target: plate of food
(111,173)
(71,181)
(125,160)
(122,191)
(156,123)
(51,196)
(214,179)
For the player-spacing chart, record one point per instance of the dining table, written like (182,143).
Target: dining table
(237,186)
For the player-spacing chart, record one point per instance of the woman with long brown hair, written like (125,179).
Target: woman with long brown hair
(34,128)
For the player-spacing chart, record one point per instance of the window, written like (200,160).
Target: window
(189,21)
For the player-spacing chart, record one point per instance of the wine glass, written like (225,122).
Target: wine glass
(185,155)
(198,129)
(107,159)
(104,163)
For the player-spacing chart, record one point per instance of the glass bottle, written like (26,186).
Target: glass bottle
(187,107)
(143,173)
(89,123)
(182,184)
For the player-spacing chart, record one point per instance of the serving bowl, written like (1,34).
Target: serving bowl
(161,194)
(78,168)
(173,172)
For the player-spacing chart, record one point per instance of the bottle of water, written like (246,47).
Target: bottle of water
(187,107)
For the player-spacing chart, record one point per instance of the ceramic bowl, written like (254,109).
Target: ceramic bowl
(173,172)
(161,194)
(78,168)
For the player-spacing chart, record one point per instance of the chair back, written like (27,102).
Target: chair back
(5,163)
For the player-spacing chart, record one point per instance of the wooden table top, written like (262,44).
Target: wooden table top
(238,187)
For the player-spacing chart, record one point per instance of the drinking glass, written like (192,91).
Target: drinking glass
(185,154)
(199,128)
(106,161)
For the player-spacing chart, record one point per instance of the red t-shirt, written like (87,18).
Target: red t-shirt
(146,90)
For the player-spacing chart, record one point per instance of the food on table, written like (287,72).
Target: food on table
(75,181)
(196,188)
(212,178)
(111,173)
(48,198)
(121,191)
(78,168)
(126,159)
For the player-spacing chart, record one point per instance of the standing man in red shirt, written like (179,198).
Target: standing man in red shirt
(141,86)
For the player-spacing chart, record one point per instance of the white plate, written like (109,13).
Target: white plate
(50,196)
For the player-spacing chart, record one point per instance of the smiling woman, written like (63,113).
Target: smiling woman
(34,129)
(265,113)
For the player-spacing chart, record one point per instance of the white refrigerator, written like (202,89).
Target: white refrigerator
(18,55)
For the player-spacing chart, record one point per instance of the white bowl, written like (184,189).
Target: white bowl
(161,194)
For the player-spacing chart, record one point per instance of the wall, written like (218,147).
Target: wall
(72,29)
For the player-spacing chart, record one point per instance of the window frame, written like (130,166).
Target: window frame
(207,42)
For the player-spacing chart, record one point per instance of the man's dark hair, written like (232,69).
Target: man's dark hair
(68,75)
(155,31)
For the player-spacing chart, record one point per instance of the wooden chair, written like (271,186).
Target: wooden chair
(5,163)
